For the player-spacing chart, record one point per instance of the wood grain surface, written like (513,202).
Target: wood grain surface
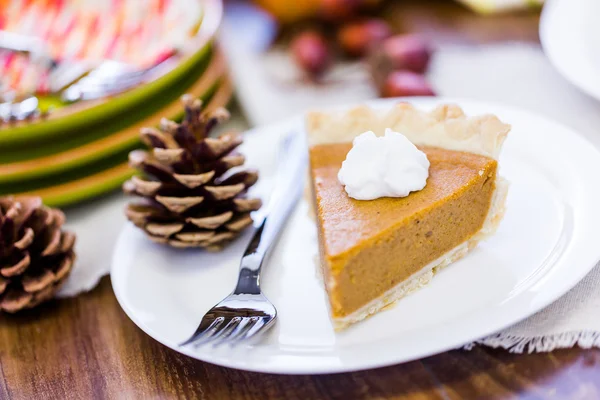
(87,348)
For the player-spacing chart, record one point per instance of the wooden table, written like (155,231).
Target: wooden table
(87,348)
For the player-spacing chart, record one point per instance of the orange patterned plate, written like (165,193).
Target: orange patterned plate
(76,117)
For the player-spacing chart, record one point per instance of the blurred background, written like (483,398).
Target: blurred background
(79,79)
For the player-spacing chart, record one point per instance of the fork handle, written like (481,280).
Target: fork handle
(271,219)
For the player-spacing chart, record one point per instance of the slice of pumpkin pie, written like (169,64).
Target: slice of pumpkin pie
(376,247)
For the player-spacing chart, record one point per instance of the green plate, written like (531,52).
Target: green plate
(111,136)
(80,115)
(96,178)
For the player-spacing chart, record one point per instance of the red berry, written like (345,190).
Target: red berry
(410,52)
(311,53)
(355,38)
(406,83)
(338,10)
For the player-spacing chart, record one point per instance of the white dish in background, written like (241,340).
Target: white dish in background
(545,245)
(570,36)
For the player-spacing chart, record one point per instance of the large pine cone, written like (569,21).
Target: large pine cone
(36,256)
(192,198)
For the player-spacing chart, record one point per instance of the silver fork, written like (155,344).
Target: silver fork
(91,87)
(246,312)
(106,80)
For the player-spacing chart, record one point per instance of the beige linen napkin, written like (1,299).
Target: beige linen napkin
(270,88)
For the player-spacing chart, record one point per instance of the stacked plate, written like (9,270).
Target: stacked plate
(80,150)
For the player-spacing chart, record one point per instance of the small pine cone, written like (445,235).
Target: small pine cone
(191,197)
(36,256)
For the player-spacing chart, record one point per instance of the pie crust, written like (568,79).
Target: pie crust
(444,127)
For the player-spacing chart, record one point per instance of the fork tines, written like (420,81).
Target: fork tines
(228,330)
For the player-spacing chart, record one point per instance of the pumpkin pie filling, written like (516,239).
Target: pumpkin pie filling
(368,256)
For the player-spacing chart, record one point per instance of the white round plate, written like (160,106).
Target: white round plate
(570,36)
(546,243)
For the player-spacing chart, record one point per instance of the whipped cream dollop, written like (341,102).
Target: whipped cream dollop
(386,166)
